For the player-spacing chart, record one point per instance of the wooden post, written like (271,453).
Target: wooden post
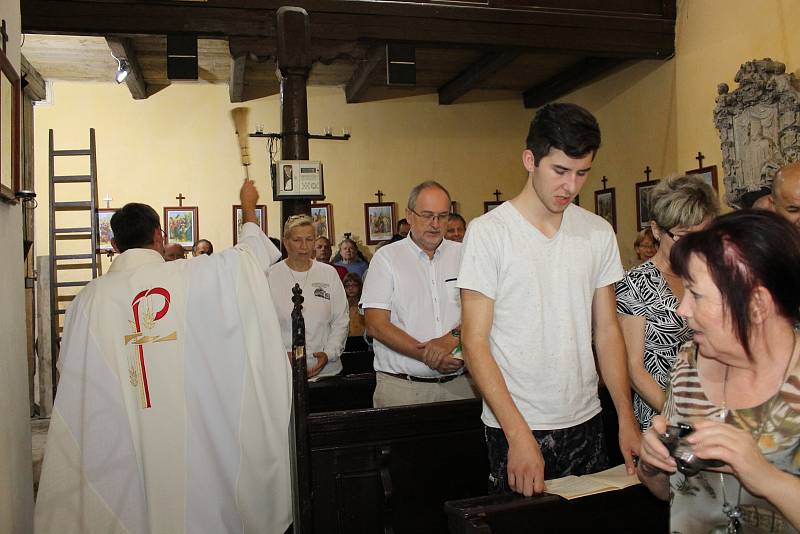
(294,64)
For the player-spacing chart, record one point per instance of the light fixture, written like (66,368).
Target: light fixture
(123,69)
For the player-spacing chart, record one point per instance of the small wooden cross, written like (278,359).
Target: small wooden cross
(4,34)
(107,199)
(180,198)
(604,180)
(647,172)
(700,157)
(380,194)
(497,194)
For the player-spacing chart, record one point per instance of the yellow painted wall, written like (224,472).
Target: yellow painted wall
(16,489)
(182,140)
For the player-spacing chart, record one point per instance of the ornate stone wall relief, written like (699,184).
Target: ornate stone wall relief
(759,126)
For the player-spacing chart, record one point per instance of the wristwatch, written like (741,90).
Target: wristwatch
(456,332)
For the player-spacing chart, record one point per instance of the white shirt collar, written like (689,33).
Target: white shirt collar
(421,252)
(134,258)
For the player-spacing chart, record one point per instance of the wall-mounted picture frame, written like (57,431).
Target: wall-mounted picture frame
(643,204)
(261,215)
(489,205)
(379,221)
(181,225)
(10,110)
(709,174)
(322,217)
(605,205)
(104,232)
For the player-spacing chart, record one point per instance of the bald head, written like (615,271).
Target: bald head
(786,192)
(173,252)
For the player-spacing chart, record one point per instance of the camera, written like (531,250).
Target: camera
(681,450)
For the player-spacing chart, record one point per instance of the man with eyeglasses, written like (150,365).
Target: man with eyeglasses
(413,311)
(537,280)
(172,412)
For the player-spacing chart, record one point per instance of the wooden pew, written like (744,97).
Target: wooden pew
(631,510)
(390,470)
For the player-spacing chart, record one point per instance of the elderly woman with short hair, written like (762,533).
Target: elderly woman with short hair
(737,385)
(648,295)
(324,306)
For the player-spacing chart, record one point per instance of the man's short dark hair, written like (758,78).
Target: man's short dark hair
(401,222)
(565,127)
(210,246)
(134,225)
(457,217)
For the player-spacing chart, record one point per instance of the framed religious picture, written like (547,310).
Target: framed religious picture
(379,220)
(104,233)
(322,216)
(489,205)
(181,225)
(643,203)
(261,215)
(709,174)
(605,205)
(9,130)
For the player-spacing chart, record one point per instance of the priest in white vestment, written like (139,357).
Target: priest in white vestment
(172,411)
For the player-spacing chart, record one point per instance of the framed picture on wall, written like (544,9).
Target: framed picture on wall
(643,204)
(104,232)
(261,215)
(709,174)
(489,205)
(181,225)
(379,221)
(9,130)
(605,205)
(322,216)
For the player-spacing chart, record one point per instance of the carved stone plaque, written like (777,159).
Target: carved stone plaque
(758,126)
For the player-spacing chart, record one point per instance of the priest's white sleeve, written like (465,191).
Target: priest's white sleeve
(257,243)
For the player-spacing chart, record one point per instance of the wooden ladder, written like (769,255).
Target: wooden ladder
(82,260)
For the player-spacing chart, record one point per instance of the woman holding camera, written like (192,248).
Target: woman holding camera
(737,384)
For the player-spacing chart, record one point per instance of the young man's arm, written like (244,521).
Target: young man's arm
(612,359)
(525,461)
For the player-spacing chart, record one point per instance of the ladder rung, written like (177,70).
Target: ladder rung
(61,237)
(73,230)
(65,298)
(72,179)
(73,266)
(72,206)
(74,257)
(81,152)
(72,284)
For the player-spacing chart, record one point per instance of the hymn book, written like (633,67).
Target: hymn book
(572,487)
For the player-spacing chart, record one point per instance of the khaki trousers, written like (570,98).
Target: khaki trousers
(393,391)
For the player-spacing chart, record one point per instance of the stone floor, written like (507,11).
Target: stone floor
(38,439)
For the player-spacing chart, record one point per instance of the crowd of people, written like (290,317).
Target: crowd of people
(528,307)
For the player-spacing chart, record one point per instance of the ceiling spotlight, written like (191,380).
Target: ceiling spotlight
(123,69)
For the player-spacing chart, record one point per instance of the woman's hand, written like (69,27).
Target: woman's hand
(322,359)
(654,453)
(714,440)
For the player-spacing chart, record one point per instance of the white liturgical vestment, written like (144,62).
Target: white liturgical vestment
(172,412)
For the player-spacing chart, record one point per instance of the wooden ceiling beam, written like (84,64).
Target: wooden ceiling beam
(569,29)
(476,73)
(568,80)
(122,48)
(236,82)
(359,83)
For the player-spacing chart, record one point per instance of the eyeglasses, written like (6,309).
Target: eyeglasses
(429,217)
(674,237)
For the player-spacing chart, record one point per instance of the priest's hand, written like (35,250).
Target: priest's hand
(322,359)
(248,196)
(525,464)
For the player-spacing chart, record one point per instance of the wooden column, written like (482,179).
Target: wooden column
(294,63)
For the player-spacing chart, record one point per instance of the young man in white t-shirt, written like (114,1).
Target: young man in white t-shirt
(537,278)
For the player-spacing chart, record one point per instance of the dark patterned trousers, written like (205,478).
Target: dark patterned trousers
(577,450)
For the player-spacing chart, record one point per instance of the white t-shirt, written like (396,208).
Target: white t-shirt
(541,336)
(325,309)
(421,295)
